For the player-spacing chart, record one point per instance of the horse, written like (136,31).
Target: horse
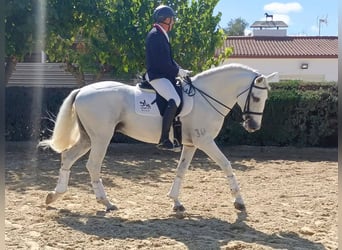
(90,115)
(269,15)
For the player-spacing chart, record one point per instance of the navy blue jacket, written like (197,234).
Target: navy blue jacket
(159,60)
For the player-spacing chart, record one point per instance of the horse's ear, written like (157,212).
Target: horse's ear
(270,76)
(262,79)
(259,79)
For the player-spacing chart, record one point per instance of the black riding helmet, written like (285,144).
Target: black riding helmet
(162,12)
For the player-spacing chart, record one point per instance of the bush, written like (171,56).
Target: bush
(296,113)
(30,111)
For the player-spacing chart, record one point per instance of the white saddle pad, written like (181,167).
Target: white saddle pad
(145,103)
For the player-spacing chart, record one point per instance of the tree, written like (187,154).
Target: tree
(109,35)
(74,35)
(196,36)
(236,27)
(20,24)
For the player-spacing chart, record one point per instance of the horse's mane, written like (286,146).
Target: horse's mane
(223,68)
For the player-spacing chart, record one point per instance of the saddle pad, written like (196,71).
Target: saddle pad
(145,103)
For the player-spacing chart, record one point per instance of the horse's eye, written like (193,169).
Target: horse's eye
(255,99)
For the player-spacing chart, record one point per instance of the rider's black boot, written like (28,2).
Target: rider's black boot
(169,115)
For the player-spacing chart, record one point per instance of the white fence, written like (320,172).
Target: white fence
(42,74)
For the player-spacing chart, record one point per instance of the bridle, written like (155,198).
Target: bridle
(191,91)
(246,109)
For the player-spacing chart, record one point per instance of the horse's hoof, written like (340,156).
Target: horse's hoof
(239,206)
(51,197)
(111,208)
(179,209)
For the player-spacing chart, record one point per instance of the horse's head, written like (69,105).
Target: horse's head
(252,102)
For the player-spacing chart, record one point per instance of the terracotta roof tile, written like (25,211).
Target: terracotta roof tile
(287,46)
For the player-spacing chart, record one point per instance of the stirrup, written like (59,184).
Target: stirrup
(168,145)
(165,145)
(177,147)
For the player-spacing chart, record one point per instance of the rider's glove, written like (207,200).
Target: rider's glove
(183,72)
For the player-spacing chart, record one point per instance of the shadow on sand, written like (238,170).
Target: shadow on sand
(193,231)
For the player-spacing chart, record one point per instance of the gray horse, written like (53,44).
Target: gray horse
(89,116)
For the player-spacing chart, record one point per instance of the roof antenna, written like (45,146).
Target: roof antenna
(320,21)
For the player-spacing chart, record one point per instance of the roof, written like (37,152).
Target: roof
(282,47)
(269,24)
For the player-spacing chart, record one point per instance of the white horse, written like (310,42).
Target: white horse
(89,116)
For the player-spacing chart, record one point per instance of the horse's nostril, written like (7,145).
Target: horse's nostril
(250,124)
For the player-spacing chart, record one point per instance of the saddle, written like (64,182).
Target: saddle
(162,103)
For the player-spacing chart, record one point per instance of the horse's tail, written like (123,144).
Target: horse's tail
(66,131)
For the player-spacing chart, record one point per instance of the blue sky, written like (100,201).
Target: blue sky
(301,16)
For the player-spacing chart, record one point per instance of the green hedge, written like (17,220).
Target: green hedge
(296,114)
(30,111)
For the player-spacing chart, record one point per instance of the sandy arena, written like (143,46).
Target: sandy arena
(291,196)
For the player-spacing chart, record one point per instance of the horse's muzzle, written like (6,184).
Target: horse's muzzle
(250,124)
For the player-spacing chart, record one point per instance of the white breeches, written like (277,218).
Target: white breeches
(165,88)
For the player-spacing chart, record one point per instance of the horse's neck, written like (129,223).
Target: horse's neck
(224,85)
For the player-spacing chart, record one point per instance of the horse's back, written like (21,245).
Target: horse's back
(100,105)
(102,92)
(100,89)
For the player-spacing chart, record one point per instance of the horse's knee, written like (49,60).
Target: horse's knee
(227,168)
(181,169)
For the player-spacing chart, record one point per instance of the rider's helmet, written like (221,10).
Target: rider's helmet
(162,12)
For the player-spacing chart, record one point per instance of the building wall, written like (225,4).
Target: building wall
(267,32)
(30,74)
(320,69)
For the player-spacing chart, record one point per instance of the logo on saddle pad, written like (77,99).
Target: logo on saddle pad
(146,104)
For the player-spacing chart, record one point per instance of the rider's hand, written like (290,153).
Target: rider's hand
(184,73)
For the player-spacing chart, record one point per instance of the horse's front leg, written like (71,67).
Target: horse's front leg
(211,149)
(183,165)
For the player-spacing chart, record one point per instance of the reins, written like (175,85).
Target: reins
(191,91)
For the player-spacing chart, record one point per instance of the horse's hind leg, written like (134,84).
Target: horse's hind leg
(183,165)
(68,158)
(97,153)
(211,149)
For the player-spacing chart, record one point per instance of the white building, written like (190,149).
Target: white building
(269,49)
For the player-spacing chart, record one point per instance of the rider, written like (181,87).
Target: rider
(162,70)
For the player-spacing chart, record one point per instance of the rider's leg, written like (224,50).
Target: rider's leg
(165,88)
(169,115)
